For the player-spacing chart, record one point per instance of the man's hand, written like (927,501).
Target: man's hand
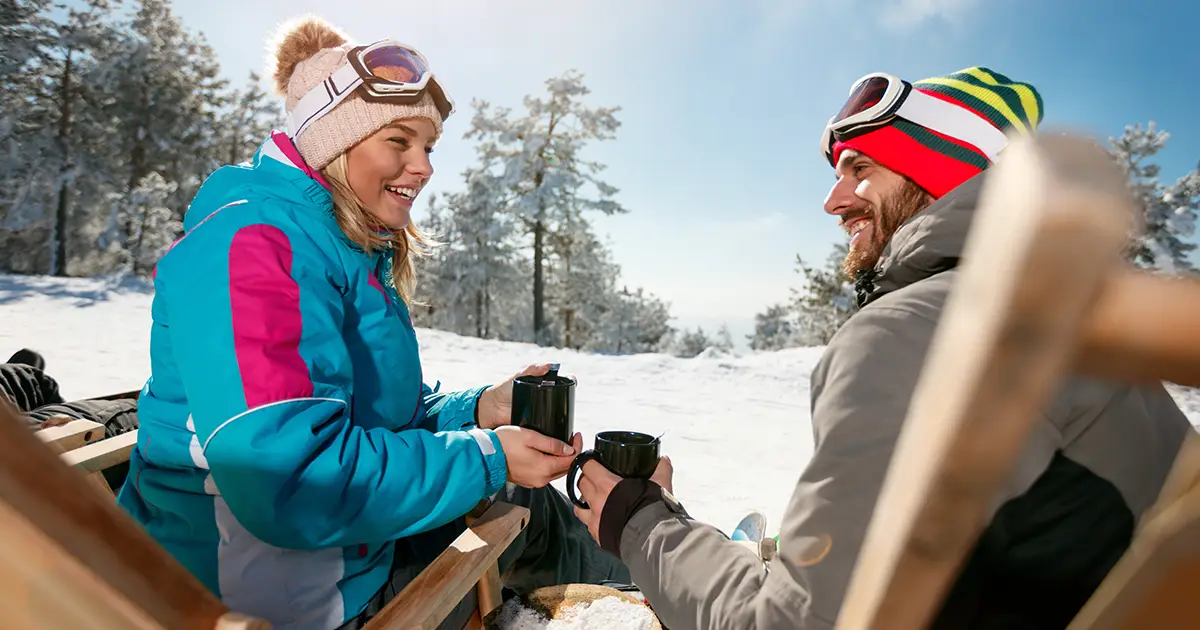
(597,482)
(495,403)
(535,460)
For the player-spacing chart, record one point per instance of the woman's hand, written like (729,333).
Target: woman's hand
(495,404)
(535,460)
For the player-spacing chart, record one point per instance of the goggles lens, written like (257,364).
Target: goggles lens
(395,64)
(865,95)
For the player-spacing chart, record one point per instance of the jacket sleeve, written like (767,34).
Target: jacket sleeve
(696,578)
(452,411)
(257,337)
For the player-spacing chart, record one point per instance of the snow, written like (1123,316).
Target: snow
(737,428)
(606,613)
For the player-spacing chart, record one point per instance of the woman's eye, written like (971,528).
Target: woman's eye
(401,141)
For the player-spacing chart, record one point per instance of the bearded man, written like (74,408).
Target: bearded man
(908,161)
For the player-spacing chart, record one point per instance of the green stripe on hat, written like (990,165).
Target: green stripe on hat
(1023,90)
(988,111)
(1008,104)
(941,145)
(1006,92)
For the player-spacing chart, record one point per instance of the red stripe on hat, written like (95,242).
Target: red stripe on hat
(935,172)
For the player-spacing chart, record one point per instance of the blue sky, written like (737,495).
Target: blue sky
(723,102)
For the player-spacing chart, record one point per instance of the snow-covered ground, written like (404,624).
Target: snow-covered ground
(737,428)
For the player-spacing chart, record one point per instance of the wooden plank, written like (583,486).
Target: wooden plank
(131,394)
(488,589)
(1004,341)
(104,454)
(1155,583)
(426,601)
(44,587)
(97,534)
(72,435)
(1145,328)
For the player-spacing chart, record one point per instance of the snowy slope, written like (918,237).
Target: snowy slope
(737,429)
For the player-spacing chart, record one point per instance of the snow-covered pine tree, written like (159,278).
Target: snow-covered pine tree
(163,90)
(774,329)
(825,301)
(689,343)
(155,226)
(1168,213)
(479,266)
(248,118)
(581,283)
(427,299)
(544,170)
(631,322)
(52,135)
(816,310)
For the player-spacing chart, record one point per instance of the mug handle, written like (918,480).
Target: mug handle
(576,467)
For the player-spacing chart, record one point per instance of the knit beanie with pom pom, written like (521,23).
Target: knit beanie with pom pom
(307,53)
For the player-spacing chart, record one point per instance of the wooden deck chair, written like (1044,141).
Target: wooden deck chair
(1043,292)
(73,559)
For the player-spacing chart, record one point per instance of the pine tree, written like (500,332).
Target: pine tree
(249,117)
(543,170)
(581,285)
(155,225)
(1168,214)
(773,329)
(816,311)
(825,302)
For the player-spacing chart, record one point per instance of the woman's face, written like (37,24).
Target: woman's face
(388,170)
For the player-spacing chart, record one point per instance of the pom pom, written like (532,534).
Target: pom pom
(299,40)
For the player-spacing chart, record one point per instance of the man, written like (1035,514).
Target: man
(35,397)
(908,161)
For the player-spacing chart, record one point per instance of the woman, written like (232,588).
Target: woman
(290,454)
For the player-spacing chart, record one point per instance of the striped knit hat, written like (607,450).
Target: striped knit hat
(939,163)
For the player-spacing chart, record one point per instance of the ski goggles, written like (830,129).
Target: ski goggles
(386,71)
(877,99)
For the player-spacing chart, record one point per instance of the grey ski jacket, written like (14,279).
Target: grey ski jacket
(1095,463)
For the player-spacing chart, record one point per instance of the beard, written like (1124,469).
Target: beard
(896,207)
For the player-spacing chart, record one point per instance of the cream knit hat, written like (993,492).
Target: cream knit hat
(308,53)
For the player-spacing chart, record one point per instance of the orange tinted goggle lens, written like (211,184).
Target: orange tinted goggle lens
(395,64)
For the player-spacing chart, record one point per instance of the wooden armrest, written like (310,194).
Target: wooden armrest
(72,435)
(441,586)
(104,454)
(133,394)
(1153,585)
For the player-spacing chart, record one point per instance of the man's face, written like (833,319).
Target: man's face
(872,202)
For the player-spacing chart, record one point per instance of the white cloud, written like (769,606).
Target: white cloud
(907,14)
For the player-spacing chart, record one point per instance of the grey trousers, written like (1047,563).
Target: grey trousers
(554,548)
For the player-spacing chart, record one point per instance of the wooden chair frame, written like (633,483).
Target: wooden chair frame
(72,558)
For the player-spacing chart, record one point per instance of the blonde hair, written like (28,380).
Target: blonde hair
(364,230)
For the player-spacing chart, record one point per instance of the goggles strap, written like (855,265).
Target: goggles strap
(322,98)
(954,121)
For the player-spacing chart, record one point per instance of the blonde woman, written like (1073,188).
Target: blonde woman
(290,454)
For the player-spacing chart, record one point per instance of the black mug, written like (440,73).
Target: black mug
(545,404)
(627,454)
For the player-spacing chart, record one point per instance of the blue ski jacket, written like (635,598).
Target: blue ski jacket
(287,438)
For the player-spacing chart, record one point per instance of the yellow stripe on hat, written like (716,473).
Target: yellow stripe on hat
(1028,99)
(987,96)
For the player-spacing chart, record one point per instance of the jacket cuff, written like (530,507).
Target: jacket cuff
(460,409)
(637,531)
(494,462)
(627,498)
